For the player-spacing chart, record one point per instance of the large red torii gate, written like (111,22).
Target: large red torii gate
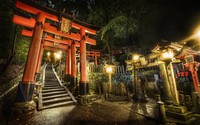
(38,43)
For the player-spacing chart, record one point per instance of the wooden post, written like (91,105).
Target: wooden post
(95,59)
(163,72)
(193,70)
(37,74)
(68,65)
(84,88)
(26,86)
(73,65)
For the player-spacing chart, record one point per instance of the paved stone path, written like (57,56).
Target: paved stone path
(97,113)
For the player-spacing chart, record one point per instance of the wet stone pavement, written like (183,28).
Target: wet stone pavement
(97,113)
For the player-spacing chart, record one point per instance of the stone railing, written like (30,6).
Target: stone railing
(9,87)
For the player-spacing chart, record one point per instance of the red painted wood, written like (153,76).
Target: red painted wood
(83,66)
(27,32)
(51,29)
(87,30)
(51,44)
(39,59)
(24,21)
(195,78)
(29,72)
(53,49)
(73,60)
(50,38)
(68,62)
(35,11)
(90,41)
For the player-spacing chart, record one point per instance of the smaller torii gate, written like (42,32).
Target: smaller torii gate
(41,40)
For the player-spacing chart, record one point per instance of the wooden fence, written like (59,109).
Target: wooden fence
(102,69)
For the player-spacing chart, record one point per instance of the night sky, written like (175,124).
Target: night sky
(172,21)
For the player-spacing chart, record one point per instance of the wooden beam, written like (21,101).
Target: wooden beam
(52,44)
(35,11)
(53,49)
(24,21)
(87,30)
(27,32)
(51,29)
(50,38)
(90,41)
(67,42)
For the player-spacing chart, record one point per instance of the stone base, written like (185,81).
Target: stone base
(179,113)
(168,102)
(139,98)
(67,78)
(21,109)
(84,99)
(83,88)
(73,81)
(177,109)
(37,77)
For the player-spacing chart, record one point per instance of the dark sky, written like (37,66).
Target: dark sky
(171,20)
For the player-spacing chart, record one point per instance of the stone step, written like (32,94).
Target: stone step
(55,96)
(52,87)
(53,93)
(52,83)
(58,104)
(57,100)
(52,90)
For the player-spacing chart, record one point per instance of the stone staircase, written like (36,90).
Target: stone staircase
(53,93)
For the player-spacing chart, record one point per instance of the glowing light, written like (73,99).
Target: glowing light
(57,55)
(109,69)
(48,53)
(198,34)
(135,57)
(167,55)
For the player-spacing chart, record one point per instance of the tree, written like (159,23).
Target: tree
(11,42)
(119,20)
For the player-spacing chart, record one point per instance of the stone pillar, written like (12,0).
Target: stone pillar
(68,65)
(163,72)
(73,65)
(26,86)
(84,87)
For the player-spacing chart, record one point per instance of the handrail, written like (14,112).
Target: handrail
(70,94)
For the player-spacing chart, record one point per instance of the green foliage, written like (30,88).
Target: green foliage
(22,48)
(119,26)
(96,80)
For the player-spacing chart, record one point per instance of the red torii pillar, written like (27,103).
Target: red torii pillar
(73,65)
(193,67)
(84,87)
(26,86)
(39,63)
(68,65)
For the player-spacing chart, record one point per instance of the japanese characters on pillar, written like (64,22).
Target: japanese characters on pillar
(84,88)
(26,86)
